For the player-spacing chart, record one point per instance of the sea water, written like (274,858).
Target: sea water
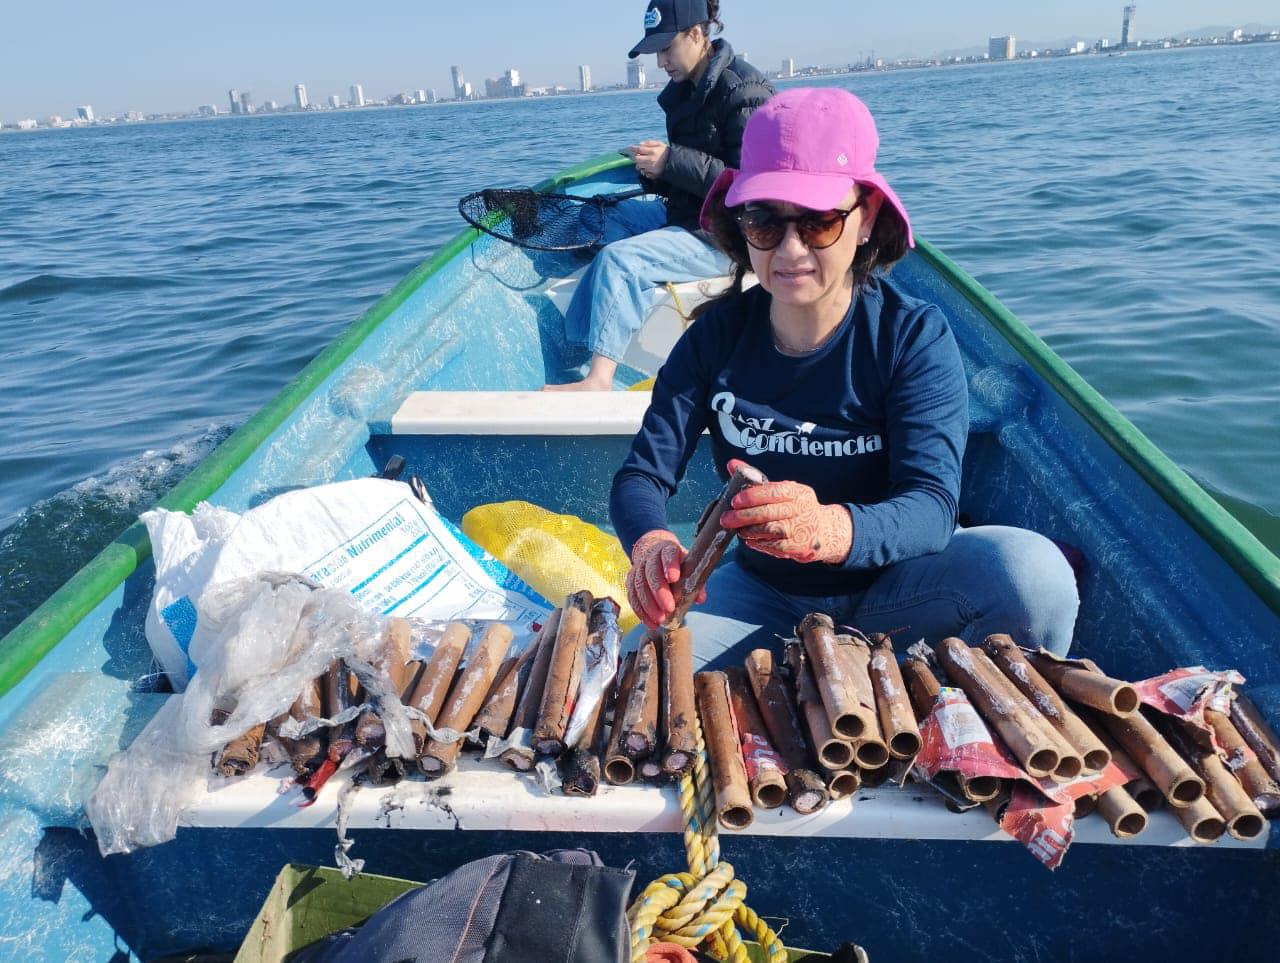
(160,282)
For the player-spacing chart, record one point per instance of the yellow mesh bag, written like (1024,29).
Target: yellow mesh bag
(555,554)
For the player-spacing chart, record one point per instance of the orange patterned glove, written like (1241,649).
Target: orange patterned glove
(655,568)
(785,520)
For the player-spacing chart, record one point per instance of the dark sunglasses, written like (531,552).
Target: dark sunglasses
(764,228)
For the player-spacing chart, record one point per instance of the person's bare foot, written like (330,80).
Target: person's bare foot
(586,384)
(599,377)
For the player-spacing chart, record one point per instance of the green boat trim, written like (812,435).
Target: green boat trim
(23,648)
(1240,548)
(33,638)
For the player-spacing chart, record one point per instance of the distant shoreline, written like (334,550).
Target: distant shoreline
(820,74)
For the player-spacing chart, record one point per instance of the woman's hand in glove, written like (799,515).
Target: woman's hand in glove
(655,571)
(784,519)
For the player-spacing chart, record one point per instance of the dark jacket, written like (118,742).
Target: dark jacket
(704,128)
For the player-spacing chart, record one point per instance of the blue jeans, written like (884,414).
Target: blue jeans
(619,288)
(989,579)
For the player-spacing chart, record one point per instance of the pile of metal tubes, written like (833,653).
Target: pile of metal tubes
(845,714)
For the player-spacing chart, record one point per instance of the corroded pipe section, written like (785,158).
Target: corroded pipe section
(518,754)
(765,767)
(806,790)
(1168,771)
(565,673)
(465,699)
(733,799)
(710,543)
(982,682)
(619,768)
(1122,812)
(1010,659)
(1221,788)
(842,694)
(435,679)
(832,752)
(640,714)
(893,705)
(678,712)
(1088,687)
(1260,737)
(1243,762)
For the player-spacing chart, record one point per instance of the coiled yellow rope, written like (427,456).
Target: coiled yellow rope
(702,905)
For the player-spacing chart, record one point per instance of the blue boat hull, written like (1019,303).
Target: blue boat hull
(1156,591)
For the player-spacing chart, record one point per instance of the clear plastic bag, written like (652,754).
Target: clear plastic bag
(259,641)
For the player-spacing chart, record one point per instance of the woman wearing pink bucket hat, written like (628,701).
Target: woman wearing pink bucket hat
(850,395)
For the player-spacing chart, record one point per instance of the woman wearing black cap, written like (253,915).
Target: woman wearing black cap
(708,101)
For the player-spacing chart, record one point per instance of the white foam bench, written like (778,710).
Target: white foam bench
(521,413)
(483,795)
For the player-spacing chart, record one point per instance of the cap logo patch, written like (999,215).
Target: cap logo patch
(842,160)
(652,17)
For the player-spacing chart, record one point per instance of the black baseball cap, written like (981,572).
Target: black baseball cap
(666,18)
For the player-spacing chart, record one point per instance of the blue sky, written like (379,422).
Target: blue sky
(154,56)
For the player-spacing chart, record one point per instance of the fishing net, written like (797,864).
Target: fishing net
(540,222)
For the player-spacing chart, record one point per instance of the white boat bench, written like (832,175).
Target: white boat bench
(483,795)
(521,413)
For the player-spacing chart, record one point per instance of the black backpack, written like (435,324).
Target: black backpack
(562,907)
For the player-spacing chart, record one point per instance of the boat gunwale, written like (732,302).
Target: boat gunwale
(22,649)
(1257,565)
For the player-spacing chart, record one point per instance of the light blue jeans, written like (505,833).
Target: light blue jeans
(989,579)
(619,289)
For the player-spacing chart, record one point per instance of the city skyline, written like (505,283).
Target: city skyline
(32,94)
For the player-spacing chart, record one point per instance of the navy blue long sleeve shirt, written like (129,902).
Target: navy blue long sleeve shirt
(875,419)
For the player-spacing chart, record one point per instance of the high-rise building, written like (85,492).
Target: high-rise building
(246,102)
(1126,31)
(334,101)
(584,78)
(233,95)
(421,96)
(300,96)
(1001,48)
(635,74)
(85,113)
(508,85)
(788,68)
(206,110)
(459,84)
(357,95)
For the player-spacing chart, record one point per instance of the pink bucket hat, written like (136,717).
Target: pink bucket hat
(806,146)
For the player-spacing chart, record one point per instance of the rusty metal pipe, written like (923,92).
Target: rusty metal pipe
(1010,659)
(564,675)
(733,799)
(1090,688)
(982,682)
(465,699)
(806,790)
(710,542)
(893,705)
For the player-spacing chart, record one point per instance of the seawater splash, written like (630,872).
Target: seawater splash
(53,538)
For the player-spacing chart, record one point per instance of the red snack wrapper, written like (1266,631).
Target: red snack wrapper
(1040,813)
(758,756)
(1046,830)
(956,739)
(1187,692)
